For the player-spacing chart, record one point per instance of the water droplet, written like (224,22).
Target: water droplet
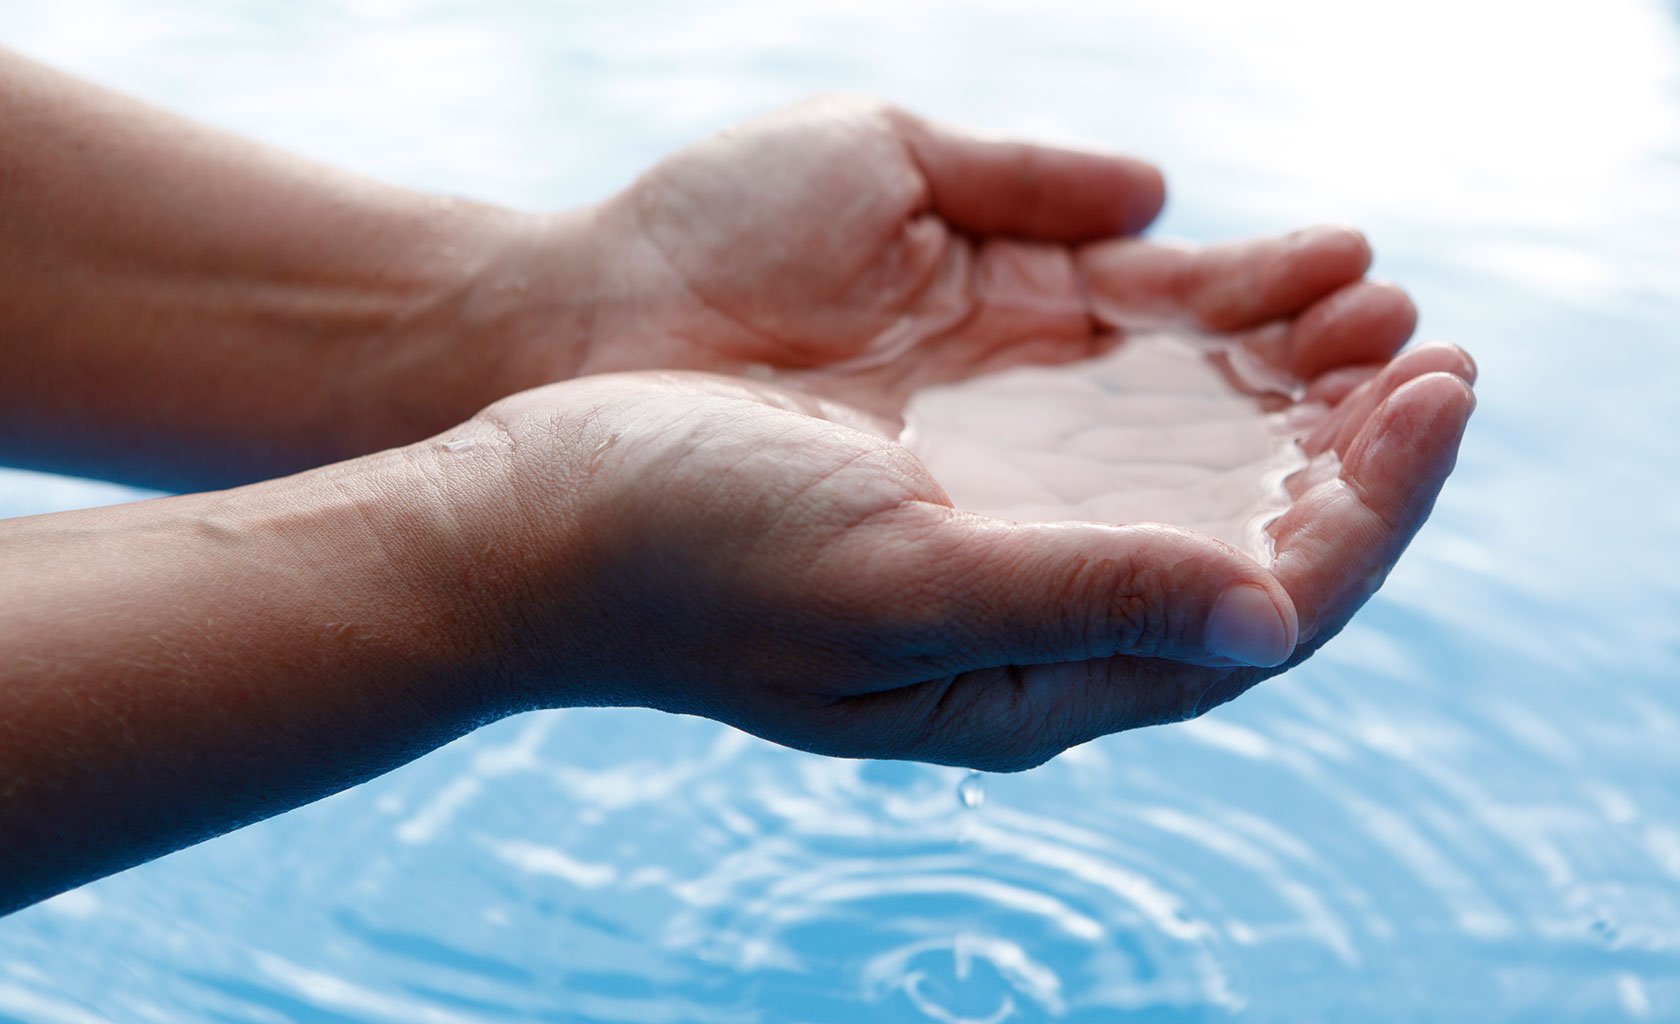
(1605,929)
(972,790)
(599,455)
(458,444)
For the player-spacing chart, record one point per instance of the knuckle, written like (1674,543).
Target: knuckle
(1133,604)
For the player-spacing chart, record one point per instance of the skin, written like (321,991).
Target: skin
(638,454)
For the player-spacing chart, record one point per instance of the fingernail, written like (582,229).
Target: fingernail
(1246,627)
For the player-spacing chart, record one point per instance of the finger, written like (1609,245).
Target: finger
(1226,287)
(1338,430)
(1334,548)
(1002,593)
(1364,322)
(844,413)
(1333,388)
(1337,543)
(989,187)
(1010,719)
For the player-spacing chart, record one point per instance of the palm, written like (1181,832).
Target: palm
(798,240)
(859,254)
(812,584)
(856,251)
(1381,443)
(818,239)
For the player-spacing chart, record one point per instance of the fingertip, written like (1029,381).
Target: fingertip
(1238,285)
(1445,392)
(1456,395)
(1471,365)
(1399,299)
(1409,445)
(1146,191)
(1251,625)
(1446,357)
(1362,322)
(1343,244)
(1386,302)
(989,186)
(1318,260)
(1360,407)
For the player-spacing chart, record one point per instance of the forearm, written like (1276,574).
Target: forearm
(186,309)
(176,668)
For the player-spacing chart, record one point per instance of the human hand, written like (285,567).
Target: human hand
(855,250)
(859,253)
(844,229)
(769,559)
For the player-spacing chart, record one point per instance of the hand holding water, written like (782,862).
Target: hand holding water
(714,546)
(856,252)
(726,527)
(854,249)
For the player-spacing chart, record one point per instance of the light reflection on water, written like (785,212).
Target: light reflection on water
(1462,809)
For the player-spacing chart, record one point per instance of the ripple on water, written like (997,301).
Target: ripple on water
(1156,875)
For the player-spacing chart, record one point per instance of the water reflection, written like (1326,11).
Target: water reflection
(1463,809)
(1167,426)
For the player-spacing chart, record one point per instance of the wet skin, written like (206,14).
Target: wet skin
(634,525)
(880,621)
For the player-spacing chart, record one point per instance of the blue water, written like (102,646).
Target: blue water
(1464,809)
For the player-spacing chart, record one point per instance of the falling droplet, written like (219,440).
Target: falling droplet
(972,790)
(962,950)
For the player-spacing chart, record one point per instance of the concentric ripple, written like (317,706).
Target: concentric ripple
(1462,809)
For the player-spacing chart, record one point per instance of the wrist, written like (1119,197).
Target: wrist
(510,308)
(516,544)
(368,569)
(178,667)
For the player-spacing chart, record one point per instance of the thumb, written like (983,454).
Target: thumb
(992,187)
(1037,593)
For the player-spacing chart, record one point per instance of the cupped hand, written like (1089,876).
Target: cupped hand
(771,559)
(845,229)
(852,249)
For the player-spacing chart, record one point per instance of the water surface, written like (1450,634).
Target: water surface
(1463,809)
(1164,427)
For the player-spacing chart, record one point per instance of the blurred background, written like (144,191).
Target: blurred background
(1464,809)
